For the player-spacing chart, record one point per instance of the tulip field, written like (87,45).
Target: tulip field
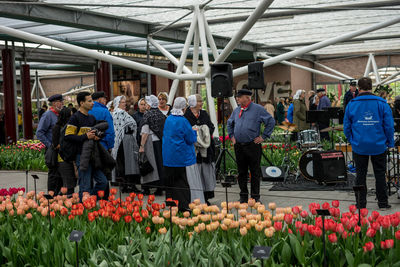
(135,231)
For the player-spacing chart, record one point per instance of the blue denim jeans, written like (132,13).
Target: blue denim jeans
(85,179)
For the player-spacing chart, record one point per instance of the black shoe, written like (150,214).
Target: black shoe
(384,206)
(146,192)
(158,192)
(243,200)
(208,203)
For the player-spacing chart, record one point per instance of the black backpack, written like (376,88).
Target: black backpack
(68,149)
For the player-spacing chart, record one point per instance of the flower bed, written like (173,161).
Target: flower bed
(136,232)
(24,155)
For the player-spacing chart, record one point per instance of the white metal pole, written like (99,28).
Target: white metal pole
(392,81)
(367,67)
(330,41)
(33,89)
(388,78)
(182,60)
(334,71)
(41,89)
(375,68)
(214,50)
(206,65)
(247,25)
(171,57)
(195,63)
(100,56)
(304,68)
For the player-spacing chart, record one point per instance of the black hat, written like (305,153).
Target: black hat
(56,97)
(353,83)
(320,90)
(244,92)
(97,95)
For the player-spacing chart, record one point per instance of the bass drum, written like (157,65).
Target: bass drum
(306,165)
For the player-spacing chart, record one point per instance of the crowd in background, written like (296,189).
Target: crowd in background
(168,149)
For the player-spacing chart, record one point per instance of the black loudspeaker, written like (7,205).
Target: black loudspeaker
(256,75)
(221,80)
(329,166)
(272,174)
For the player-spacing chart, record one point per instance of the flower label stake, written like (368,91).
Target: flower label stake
(357,191)
(35,177)
(76,236)
(261,253)
(323,213)
(48,197)
(26,177)
(170,204)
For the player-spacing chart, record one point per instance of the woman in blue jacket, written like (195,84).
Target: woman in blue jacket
(178,153)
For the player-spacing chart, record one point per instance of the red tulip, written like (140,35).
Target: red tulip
(383,245)
(296,210)
(132,196)
(335,203)
(389,243)
(115,217)
(151,198)
(155,213)
(339,228)
(352,208)
(370,232)
(385,222)
(369,246)
(140,196)
(278,226)
(397,235)
(394,220)
(325,206)
(304,214)
(91,217)
(298,224)
(364,212)
(138,219)
(357,229)
(128,219)
(375,215)
(332,238)
(100,193)
(288,218)
(156,206)
(113,191)
(331,225)
(148,230)
(145,214)
(290,231)
(344,235)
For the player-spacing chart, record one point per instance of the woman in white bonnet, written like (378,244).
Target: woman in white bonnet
(205,161)
(151,144)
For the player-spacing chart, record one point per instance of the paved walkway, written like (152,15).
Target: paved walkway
(281,198)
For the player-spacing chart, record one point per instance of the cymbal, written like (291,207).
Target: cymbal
(286,123)
(287,128)
(330,129)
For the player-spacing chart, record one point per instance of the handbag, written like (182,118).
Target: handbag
(144,165)
(51,158)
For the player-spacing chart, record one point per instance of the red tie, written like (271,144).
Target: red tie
(243,109)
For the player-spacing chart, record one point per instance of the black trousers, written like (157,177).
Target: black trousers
(178,186)
(54,181)
(379,166)
(248,156)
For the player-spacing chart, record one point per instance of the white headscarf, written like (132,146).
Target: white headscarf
(152,100)
(116,101)
(109,104)
(298,94)
(179,105)
(192,101)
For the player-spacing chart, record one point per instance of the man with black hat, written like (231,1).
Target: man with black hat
(352,93)
(101,113)
(244,127)
(44,134)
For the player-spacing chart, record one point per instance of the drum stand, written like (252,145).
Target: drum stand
(286,159)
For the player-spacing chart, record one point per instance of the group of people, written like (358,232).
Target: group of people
(109,144)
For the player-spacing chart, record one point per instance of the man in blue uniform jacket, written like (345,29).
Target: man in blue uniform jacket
(368,125)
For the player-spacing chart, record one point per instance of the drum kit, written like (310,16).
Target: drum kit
(309,143)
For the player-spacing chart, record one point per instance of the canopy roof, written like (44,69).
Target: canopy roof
(122,25)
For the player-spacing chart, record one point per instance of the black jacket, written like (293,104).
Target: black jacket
(94,153)
(347,97)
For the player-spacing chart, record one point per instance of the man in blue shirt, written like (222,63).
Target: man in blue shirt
(101,113)
(44,134)
(244,127)
(323,104)
(368,125)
